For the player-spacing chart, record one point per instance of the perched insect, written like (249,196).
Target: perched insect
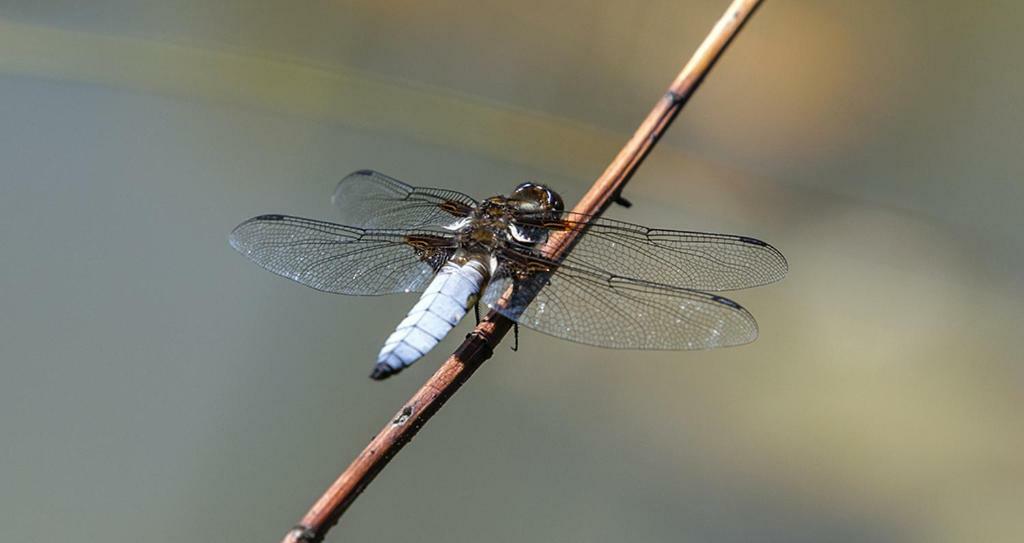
(622,285)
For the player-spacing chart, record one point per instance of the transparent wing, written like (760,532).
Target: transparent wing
(369,199)
(343,259)
(692,260)
(598,308)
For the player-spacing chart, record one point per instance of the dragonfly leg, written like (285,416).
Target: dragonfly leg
(515,334)
(476,312)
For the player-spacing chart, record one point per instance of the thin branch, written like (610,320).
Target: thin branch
(479,343)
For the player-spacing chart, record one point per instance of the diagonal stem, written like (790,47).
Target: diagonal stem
(478,345)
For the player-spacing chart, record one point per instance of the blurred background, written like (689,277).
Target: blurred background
(157,386)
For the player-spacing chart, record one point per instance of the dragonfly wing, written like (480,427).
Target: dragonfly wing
(690,260)
(369,199)
(598,308)
(343,259)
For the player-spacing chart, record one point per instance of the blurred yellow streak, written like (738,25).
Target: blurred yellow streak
(424,113)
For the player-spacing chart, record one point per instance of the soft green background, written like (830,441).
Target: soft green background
(156,386)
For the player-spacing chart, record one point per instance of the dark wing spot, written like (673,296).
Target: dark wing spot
(752,241)
(726,301)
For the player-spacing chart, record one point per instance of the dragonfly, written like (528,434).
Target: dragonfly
(621,286)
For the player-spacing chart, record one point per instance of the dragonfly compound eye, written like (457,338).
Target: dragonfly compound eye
(533,192)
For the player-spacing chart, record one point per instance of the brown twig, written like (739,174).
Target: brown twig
(477,347)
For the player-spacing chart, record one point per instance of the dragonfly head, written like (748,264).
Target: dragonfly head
(535,198)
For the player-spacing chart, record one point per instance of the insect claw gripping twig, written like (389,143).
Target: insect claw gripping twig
(479,343)
(487,348)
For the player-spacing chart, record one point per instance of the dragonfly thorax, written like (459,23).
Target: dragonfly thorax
(501,219)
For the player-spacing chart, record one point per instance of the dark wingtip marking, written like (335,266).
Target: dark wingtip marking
(270,218)
(363,172)
(753,241)
(382,371)
(726,301)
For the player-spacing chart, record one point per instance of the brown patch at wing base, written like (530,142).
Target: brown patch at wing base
(434,250)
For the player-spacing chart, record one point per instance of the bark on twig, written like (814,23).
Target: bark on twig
(479,343)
